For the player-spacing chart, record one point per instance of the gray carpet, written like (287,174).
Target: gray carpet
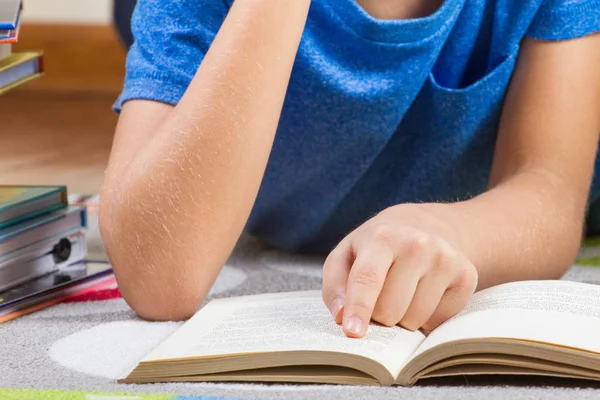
(85,346)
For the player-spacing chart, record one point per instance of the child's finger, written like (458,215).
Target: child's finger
(400,285)
(454,299)
(366,278)
(451,303)
(440,276)
(335,276)
(427,297)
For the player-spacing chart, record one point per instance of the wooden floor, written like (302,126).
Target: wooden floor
(55,139)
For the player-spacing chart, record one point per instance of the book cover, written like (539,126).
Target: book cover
(9,36)
(42,227)
(10,13)
(19,68)
(68,283)
(19,203)
(21,58)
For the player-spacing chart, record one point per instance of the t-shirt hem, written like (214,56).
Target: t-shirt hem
(149,87)
(567,22)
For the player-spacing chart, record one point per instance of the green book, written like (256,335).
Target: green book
(19,68)
(19,203)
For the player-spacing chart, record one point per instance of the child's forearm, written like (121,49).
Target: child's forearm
(177,211)
(525,228)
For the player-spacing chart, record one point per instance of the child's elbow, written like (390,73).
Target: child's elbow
(156,298)
(151,309)
(153,292)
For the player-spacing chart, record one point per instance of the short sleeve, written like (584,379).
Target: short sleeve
(170,41)
(566,19)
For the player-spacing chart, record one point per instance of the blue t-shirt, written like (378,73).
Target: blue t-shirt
(377,113)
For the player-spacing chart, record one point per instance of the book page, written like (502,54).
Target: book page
(555,312)
(282,322)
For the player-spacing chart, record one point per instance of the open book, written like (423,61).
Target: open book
(523,328)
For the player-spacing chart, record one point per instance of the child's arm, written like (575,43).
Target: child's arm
(182,180)
(417,265)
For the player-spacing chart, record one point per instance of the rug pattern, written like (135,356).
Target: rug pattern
(80,348)
(23,394)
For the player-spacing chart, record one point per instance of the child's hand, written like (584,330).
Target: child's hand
(401,267)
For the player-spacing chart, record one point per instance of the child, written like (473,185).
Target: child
(430,148)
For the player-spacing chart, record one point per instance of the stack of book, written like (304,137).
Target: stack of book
(42,249)
(38,233)
(15,68)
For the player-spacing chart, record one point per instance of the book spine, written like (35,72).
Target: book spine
(41,65)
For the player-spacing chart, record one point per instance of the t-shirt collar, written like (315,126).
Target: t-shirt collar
(394,31)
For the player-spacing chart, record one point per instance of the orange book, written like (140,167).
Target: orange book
(10,36)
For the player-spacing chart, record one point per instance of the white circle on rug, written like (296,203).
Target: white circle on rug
(229,278)
(110,350)
(308,266)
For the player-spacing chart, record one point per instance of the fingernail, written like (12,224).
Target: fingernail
(336,306)
(354,325)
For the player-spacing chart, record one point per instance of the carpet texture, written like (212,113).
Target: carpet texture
(85,346)
(21,394)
